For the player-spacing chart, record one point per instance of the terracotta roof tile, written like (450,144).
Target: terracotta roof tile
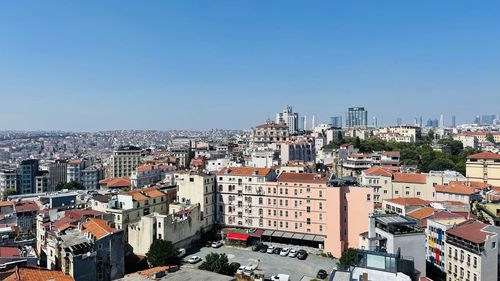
(97,227)
(9,252)
(421,213)
(245,171)
(26,206)
(485,155)
(456,188)
(144,193)
(410,201)
(115,182)
(377,171)
(472,231)
(6,203)
(34,274)
(410,177)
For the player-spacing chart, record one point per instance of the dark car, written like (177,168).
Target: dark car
(233,267)
(263,248)
(277,250)
(302,254)
(322,274)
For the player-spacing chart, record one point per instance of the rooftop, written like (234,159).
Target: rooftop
(471,230)
(410,177)
(97,227)
(410,201)
(485,155)
(245,171)
(304,177)
(456,188)
(377,171)
(29,274)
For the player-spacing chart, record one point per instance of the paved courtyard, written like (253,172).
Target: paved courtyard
(271,264)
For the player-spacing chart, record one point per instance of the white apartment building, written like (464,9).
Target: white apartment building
(123,161)
(198,187)
(403,133)
(240,199)
(73,170)
(145,175)
(472,252)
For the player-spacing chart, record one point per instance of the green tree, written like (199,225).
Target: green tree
(441,164)
(161,252)
(72,185)
(357,143)
(8,192)
(490,137)
(217,263)
(348,258)
(431,135)
(455,146)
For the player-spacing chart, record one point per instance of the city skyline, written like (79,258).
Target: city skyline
(173,65)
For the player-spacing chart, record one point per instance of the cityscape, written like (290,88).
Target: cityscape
(249,141)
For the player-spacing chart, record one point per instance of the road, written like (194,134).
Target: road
(271,264)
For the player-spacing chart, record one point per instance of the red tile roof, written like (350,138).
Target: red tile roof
(410,201)
(115,182)
(143,194)
(97,227)
(78,214)
(456,188)
(244,171)
(421,213)
(485,155)
(26,206)
(410,178)
(395,153)
(377,171)
(304,177)
(34,274)
(6,203)
(9,252)
(471,231)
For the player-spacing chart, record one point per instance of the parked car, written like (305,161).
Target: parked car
(302,254)
(240,269)
(293,253)
(216,244)
(263,249)
(322,274)
(277,250)
(248,271)
(284,252)
(194,259)
(270,250)
(233,267)
(181,252)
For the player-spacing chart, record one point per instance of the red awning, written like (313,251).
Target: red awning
(238,236)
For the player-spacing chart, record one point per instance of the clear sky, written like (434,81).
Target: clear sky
(96,65)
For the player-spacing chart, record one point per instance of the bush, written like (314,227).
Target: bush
(217,263)
(162,252)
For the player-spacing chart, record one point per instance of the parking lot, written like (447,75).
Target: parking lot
(271,264)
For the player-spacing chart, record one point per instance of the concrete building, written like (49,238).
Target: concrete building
(264,158)
(396,235)
(457,191)
(91,176)
(472,252)
(240,200)
(484,167)
(336,121)
(28,170)
(270,132)
(148,174)
(123,161)
(296,151)
(57,173)
(347,205)
(74,168)
(289,118)
(356,117)
(181,226)
(42,182)
(9,179)
(198,187)
(401,133)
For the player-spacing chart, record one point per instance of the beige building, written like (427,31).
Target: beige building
(388,185)
(181,226)
(472,252)
(123,162)
(241,197)
(484,167)
(129,207)
(268,133)
(401,133)
(198,187)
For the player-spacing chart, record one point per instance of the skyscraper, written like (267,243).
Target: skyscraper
(336,121)
(356,117)
(313,121)
(28,170)
(441,121)
(453,121)
(288,117)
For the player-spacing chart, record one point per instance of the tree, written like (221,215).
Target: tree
(72,185)
(490,137)
(441,164)
(357,143)
(348,258)
(8,192)
(430,134)
(217,263)
(161,252)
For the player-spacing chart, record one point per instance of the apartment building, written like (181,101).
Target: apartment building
(472,252)
(90,177)
(57,173)
(388,184)
(149,174)
(198,187)
(9,179)
(42,182)
(129,207)
(28,170)
(241,193)
(123,161)
(296,151)
(270,132)
(74,168)
(484,167)
(457,191)
(401,133)
(435,242)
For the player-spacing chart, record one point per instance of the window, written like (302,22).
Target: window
(308,189)
(159,224)
(320,228)
(308,220)
(308,209)
(321,205)
(320,193)
(159,235)
(286,214)
(493,245)
(368,197)
(475,262)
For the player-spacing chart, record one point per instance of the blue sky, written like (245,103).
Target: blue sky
(94,65)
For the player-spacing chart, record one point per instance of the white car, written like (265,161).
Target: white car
(293,253)
(181,252)
(194,259)
(216,244)
(270,249)
(240,269)
(284,252)
(248,271)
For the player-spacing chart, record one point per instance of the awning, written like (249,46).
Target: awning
(287,235)
(308,237)
(319,239)
(298,236)
(268,233)
(238,236)
(278,234)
